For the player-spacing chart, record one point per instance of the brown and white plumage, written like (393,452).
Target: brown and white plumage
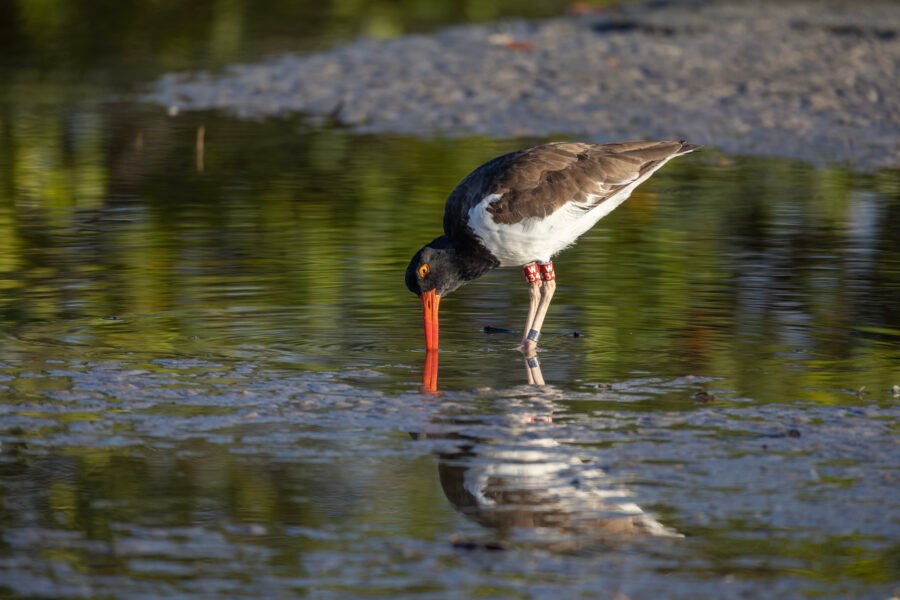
(521,209)
(530,204)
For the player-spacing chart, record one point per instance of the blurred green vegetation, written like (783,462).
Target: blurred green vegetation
(779,279)
(782,278)
(141,37)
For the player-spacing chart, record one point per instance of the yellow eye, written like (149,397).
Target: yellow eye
(424,270)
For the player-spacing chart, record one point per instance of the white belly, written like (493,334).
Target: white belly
(538,239)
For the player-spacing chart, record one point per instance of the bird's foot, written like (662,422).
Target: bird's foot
(528,347)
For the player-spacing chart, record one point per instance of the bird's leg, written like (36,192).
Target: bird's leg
(533,277)
(547,290)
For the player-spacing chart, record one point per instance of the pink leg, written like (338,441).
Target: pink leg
(533,277)
(547,289)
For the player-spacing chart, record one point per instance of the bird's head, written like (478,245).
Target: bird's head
(432,273)
(434,268)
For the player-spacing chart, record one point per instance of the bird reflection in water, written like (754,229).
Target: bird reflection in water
(430,371)
(521,481)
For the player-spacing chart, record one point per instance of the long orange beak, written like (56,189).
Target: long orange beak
(430,372)
(430,303)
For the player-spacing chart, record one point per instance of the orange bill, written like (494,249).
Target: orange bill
(430,372)
(430,302)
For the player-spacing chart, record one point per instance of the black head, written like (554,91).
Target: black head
(435,267)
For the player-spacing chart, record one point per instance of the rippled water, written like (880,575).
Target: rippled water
(210,374)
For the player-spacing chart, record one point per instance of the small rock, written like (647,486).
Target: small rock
(500,39)
(520,46)
(704,397)
(491,329)
(896,391)
(794,433)
(475,545)
(580,9)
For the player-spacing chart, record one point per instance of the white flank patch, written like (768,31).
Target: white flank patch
(539,239)
(556,481)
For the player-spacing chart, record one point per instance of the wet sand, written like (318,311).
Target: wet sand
(732,495)
(811,80)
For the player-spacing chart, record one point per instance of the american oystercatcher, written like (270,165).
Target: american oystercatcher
(520,210)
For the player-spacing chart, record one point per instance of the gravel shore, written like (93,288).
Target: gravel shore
(807,79)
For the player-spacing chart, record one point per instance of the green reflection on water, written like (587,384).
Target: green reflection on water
(780,278)
(125,42)
(287,251)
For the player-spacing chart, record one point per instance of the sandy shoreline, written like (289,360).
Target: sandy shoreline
(818,81)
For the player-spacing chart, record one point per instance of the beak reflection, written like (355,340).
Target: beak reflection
(533,374)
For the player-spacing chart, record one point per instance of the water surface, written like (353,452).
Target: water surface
(210,373)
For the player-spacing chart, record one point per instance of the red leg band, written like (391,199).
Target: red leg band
(532,274)
(547,273)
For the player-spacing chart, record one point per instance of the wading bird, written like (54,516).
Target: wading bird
(520,210)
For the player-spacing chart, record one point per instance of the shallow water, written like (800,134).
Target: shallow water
(210,374)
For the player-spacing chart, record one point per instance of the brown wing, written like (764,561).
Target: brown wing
(537,181)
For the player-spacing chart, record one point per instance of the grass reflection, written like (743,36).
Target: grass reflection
(782,277)
(286,255)
(152,36)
